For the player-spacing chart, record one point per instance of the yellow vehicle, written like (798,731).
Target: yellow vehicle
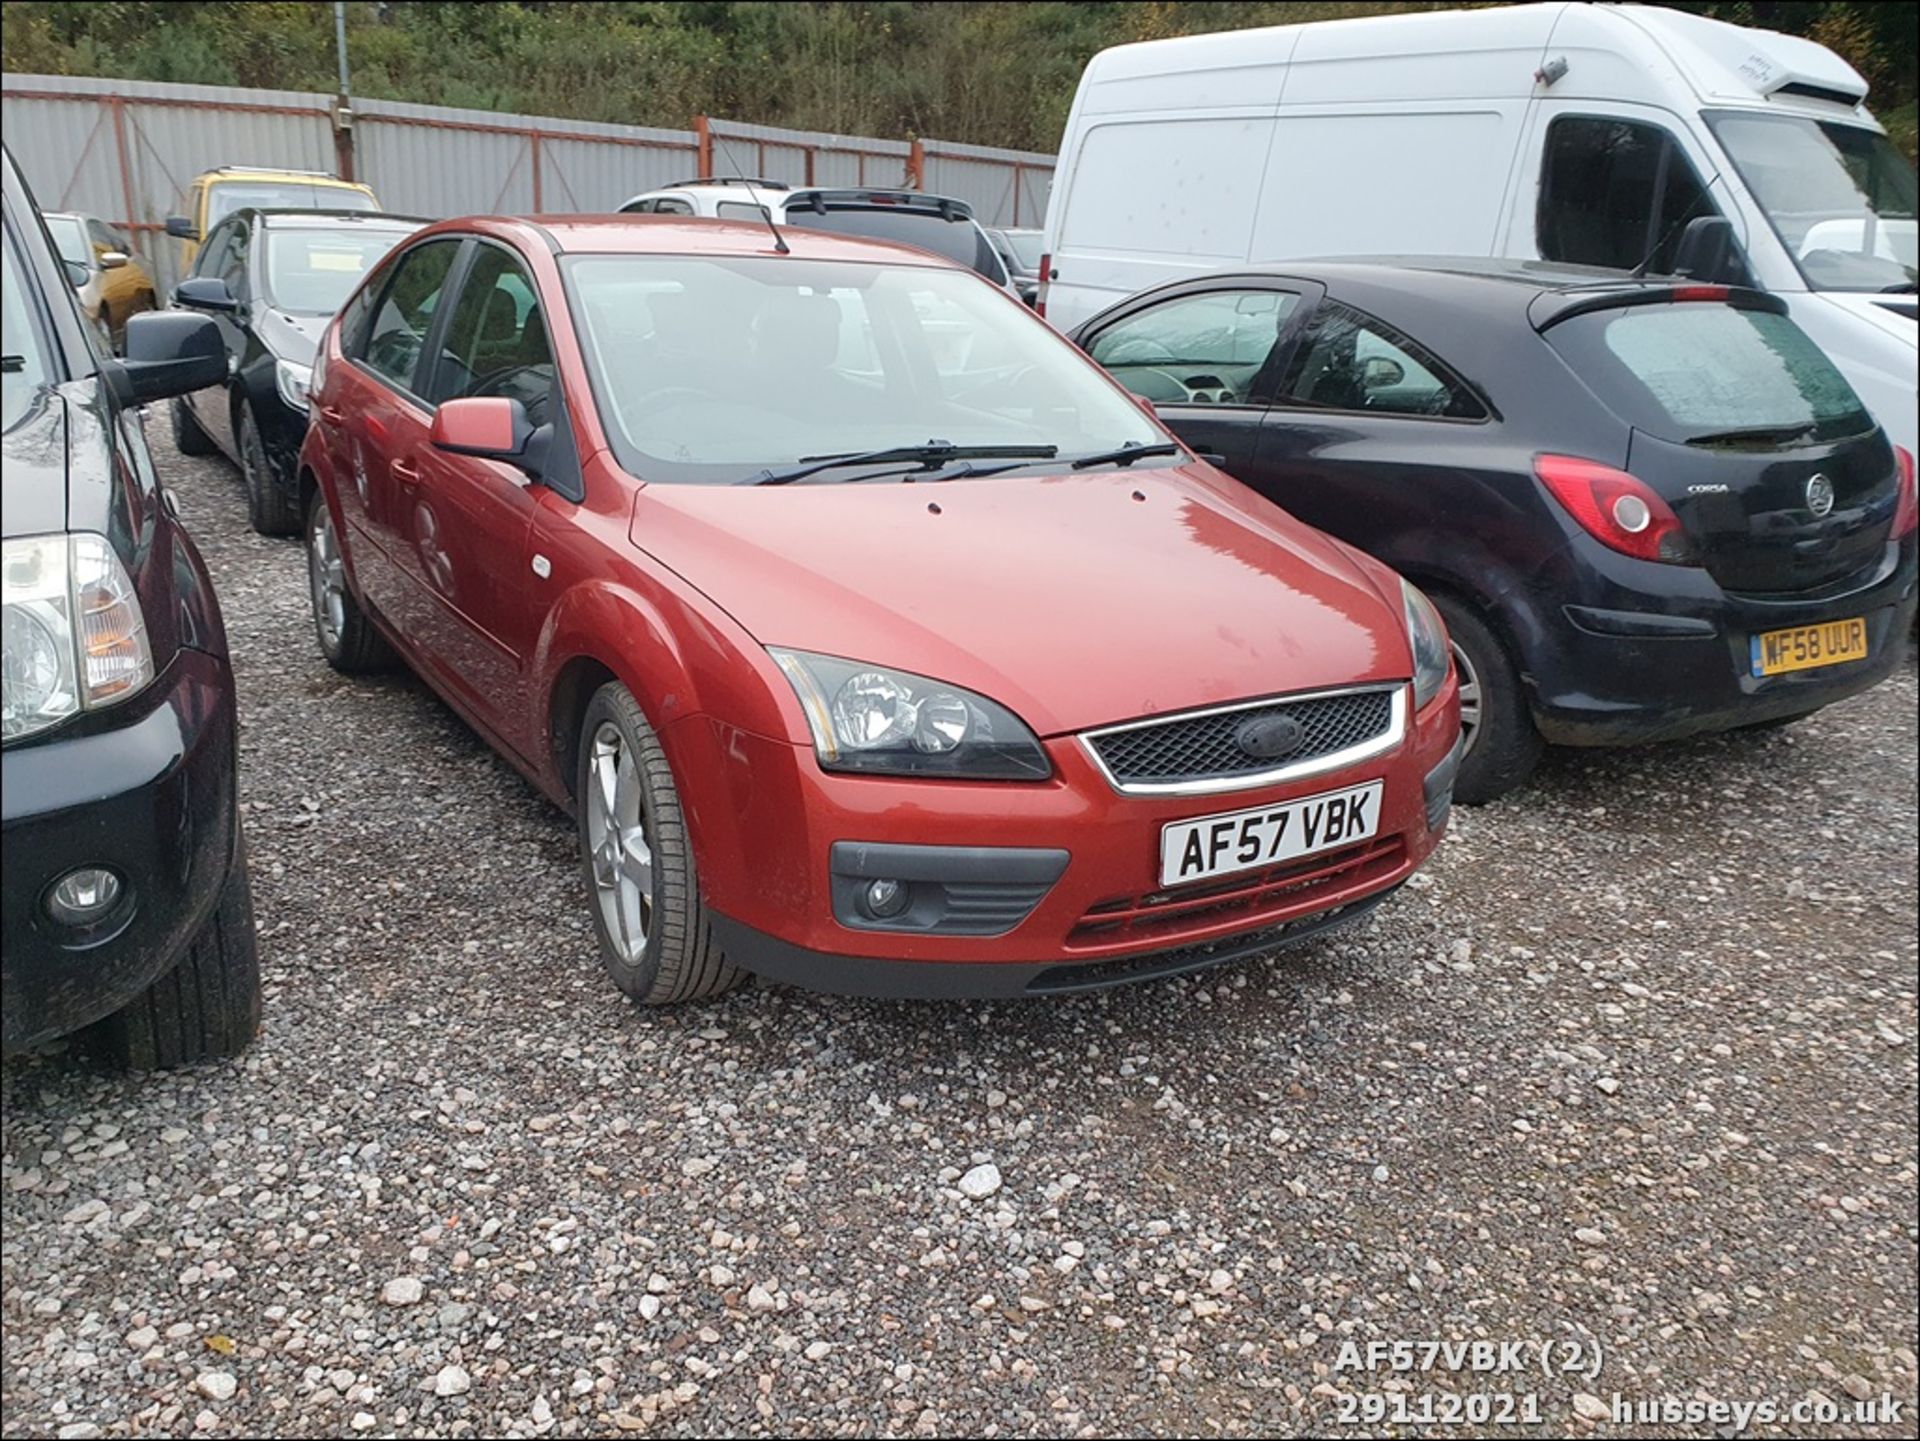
(216,194)
(107,276)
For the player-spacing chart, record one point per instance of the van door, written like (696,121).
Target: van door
(1614,186)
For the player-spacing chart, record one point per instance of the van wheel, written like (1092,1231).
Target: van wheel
(205,1008)
(270,510)
(188,437)
(1502,746)
(638,862)
(347,638)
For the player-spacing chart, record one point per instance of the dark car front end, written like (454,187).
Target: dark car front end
(118,766)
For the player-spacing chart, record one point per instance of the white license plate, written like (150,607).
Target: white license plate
(1253,840)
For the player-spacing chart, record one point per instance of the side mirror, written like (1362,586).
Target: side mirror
(111,259)
(77,273)
(181,228)
(204,292)
(493,428)
(1706,251)
(169,353)
(1381,372)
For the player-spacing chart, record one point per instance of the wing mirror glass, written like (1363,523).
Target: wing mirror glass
(1379,372)
(169,353)
(77,273)
(112,259)
(493,428)
(204,292)
(181,228)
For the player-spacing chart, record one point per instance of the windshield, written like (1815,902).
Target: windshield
(1840,197)
(229,196)
(27,371)
(709,370)
(312,272)
(958,239)
(1026,246)
(69,238)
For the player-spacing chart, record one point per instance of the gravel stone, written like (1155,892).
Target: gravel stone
(403,1291)
(980,1182)
(217,1385)
(452,1381)
(433,988)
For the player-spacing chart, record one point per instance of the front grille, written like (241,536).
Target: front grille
(1204,747)
(1249,898)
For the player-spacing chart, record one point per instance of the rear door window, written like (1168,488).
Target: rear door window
(1352,361)
(1205,349)
(1710,373)
(1613,191)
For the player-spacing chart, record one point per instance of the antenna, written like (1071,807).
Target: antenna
(1640,270)
(779,240)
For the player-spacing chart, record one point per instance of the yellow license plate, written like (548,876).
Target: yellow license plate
(1805,647)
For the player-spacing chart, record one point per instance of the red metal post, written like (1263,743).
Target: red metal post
(810,154)
(1016,193)
(533,146)
(703,144)
(917,166)
(343,137)
(117,107)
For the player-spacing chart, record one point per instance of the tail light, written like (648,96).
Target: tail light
(1617,509)
(1040,294)
(1906,515)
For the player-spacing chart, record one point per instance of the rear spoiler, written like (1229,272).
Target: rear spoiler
(1550,307)
(818,201)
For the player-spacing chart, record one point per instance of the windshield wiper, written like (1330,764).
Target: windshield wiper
(1126,454)
(1756,435)
(930,456)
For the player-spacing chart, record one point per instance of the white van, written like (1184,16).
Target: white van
(1590,134)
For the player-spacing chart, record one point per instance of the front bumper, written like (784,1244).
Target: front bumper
(1656,653)
(783,845)
(147,788)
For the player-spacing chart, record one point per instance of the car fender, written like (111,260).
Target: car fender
(1458,563)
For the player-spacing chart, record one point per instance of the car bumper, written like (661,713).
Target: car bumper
(1628,666)
(1038,888)
(147,789)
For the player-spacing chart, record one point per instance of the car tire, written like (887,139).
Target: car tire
(270,510)
(206,1008)
(188,437)
(347,638)
(1503,747)
(647,913)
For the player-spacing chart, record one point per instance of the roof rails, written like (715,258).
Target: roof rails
(274,170)
(755,181)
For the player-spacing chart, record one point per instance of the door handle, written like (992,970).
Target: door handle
(332,414)
(404,473)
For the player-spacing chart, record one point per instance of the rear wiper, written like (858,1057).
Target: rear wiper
(1755,435)
(1125,455)
(930,456)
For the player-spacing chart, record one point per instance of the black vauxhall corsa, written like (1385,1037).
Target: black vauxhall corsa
(124,908)
(272,280)
(1647,509)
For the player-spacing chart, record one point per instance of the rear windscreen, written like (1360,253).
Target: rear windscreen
(959,240)
(1700,372)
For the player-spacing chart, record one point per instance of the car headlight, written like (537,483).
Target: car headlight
(293,381)
(54,666)
(889,722)
(1428,636)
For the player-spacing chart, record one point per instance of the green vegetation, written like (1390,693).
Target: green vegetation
(989,73)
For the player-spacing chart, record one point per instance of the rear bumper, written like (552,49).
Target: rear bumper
(1627,667)
(150,795)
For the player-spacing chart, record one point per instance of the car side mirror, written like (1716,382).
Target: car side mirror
(204,292)
(77,273)
(1706,252)
(181,228)
(493,428)
(111,259)
(169,353)
(1381,372)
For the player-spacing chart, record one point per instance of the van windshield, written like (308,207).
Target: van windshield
(1840,197)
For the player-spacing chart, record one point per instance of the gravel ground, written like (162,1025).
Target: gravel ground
(1632,1065)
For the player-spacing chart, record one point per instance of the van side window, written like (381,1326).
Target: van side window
(1205,349)
(1351,361)
(1612,190)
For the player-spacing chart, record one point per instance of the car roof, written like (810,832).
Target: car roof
(687,235)
(1424,273)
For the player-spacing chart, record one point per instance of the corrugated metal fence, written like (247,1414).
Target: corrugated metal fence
(126,150)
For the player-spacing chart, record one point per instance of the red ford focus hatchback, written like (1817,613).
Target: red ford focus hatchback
(878,642)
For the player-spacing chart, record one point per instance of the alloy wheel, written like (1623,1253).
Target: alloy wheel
(617,842)
(1469,697)
(327,577)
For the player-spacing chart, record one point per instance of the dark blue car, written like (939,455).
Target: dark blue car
(1646,508)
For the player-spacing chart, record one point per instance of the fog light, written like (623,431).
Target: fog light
(83,897)
(883,900)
